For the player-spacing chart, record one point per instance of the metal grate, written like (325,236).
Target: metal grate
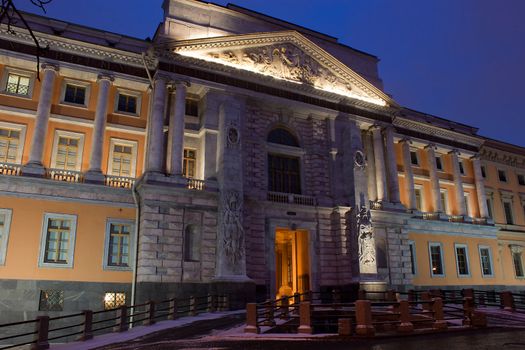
(51,300)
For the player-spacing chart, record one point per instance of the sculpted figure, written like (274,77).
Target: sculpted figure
(367,250)
(233,239)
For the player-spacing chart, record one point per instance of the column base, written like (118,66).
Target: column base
(94,177)
(34,170)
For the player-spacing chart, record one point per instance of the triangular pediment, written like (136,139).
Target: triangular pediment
(287,56)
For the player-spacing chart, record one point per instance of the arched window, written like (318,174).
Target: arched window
(192,243)
(284,173)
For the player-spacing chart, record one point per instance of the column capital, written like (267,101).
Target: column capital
(476,156)
(162,76)
(405,140)
(388,129)
(454,151)
(49,66)
(430,146)
(105,76)
(376,127)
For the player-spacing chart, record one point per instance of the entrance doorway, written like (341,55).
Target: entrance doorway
(292,262)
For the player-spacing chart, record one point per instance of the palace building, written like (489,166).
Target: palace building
(239,154)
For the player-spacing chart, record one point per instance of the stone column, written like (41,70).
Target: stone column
(371,166)
(155,154)
(409,175)
(176,129)
(434,179)
(379,157)
(461,209)
(94,173)
(391,165)
(480,187)
(34,166)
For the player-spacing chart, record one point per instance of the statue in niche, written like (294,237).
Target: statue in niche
(367,250)
(233,239)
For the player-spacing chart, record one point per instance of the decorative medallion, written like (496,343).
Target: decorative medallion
(359,160)
(233,136)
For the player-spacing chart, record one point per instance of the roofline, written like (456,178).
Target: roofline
(502,145)
(475,129)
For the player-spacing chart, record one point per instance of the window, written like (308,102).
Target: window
(439,163)
(118,244)
(128,102)
(461,168)
(18,84)
(75,94)
(444,200)
(189,163)
(412,249)
(462,260)
(483,172)
(436,260)
(419,199)
(284,174)
(58,240)
(485,257)
(414,160)
(502,176)
(521,180)
(113,300)
(507,206)
(9,145)
(192,107)
(5,222)
(517,261)
(192,243)
(51,300)
(67,151)
(467,206)
(282,137)
(489,207)
(122,158)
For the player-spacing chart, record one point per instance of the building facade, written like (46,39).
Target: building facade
(233,153)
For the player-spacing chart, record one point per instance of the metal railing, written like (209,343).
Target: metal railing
(291,198)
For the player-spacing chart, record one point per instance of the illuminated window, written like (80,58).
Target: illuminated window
(67,153)
(18,84)
(485,256)
(419,198)
(118,244)
(122,158)
(444,200)
(51,300)
(189,163)
(436,260)
(191,243)
(9,145)
(58,241)
(75,94)
(5,221)
(467,207)
(462,260)
(113,300)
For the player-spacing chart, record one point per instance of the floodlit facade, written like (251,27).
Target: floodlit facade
(239,154)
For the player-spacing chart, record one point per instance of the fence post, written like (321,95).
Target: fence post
(151,313)
(426,298)
(412,295)
(192,311)
(439,318)
(42,329)
(361,294)
(507,301)
(344,327)
(172,309)
(251,319)
(468,307)
(391,295)
(285,308)
(87,331)
(122,319)
(305,324)
(405,326)
(363,316)
(226,303)
(211,303)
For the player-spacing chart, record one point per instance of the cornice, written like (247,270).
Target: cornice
(502,157)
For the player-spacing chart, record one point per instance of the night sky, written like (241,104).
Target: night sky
(458,59)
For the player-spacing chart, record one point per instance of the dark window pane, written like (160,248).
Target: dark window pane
(282,137)
(284,174)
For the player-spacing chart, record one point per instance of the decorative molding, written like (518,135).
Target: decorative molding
(502,157)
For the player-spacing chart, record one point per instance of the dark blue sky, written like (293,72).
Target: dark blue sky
(458,59)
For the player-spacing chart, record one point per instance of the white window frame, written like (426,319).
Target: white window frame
(22,129)
(86,85)
(438,156)
(28,74)
(133,144)
(420,189)
(490,261)
(436,244)
(462,245)
(415,150)
(136,94)
(5,235)
(466,198)
(445,208)
(412,244)
(43,237)
(69,134)
(514,249)
(131,255)
(490,206)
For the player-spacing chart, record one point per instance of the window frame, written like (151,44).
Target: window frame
(136,94)
(5,78)
(489,249)
(462,246)
(84,84)
(4,240)
(440,245)
(522,176)
(442,167)
(468,206)
(512,217)
(413,256)
(127,143)
(490,207)
(415,151)
(462,170)
(43,240)
(131,255)
(484,173)
(195,162)
(421,202)
(514,249)
(22,129)
(69,134)
(504,175)
(444,204)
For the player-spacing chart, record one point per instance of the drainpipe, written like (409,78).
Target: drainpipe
(136,200)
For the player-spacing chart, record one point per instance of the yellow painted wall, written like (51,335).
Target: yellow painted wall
(26,232)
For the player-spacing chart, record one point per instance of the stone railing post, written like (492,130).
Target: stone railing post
(405,325)
(305,319)
(151,314)
(344,327)
(507,301)
(468,309)
(211,303)
(172,309)
(42,333)
(251,319)
(192,310)
(363,316)
(87,330)
(439,318)
(122,319)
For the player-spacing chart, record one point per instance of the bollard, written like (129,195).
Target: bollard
(344,327)
(251,319)
(439,318)
(150,320)
(193,309)
(363,315)
(305,324)
(87,331)
(507,301)
(172,309)
(42,333)
(405,325)
(269,313)
(122,319)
